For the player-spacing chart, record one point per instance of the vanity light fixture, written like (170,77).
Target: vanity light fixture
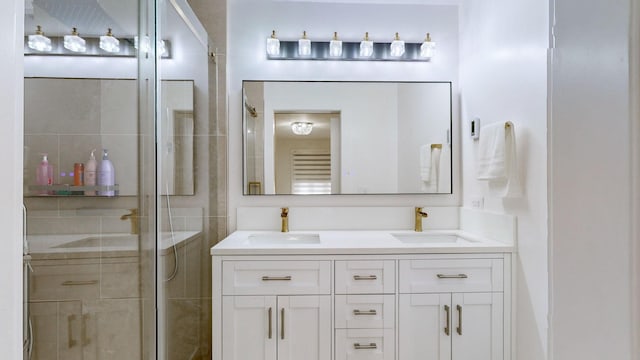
(335,46)
(397,46)
(143,44)
(74,42)
(301,128)
(161,48)
(427,48)
(38,41)
(304,45)
(109,43)
(366,46)
(273,45)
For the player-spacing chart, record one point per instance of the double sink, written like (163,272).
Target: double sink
(314,239)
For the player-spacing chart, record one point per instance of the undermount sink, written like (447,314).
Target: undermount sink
(115,240)
(419,238)
(283,239)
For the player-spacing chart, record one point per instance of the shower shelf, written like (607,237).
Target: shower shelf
(65,190)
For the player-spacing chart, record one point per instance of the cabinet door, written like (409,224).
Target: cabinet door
(56,329)
(477,326)
(250,330)
(111,329)
(304,327)
(424,327)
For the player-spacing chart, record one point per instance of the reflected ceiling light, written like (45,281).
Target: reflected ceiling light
(304,45)
(366,46)
(397,46)
(38,41)
(273,45)
(74,42)
(109,43)
(427,49)
(162,48)
(301,128)
(335,46)
(143,45)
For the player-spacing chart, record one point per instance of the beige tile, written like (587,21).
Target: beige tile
(113,329)
(183,325)
(67,225)
(119,279)
(119,111)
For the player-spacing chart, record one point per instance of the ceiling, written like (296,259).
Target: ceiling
(321,125)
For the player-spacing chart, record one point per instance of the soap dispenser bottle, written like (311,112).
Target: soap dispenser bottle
(90,173)
(44,174)
(106,175)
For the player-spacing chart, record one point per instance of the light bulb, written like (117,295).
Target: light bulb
(273,45)
(143,45)
(366,46)
(301,128)
(397,46)
(38,41)
(427,49)
(74,42)
(304,45)
(109,43)
(335,46)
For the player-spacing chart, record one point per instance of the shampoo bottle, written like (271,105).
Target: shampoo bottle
(90,173)
(44,174)
(106,175)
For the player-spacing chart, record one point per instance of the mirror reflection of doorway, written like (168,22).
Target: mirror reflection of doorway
(307,163)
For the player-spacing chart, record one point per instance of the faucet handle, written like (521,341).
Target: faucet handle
(284,212)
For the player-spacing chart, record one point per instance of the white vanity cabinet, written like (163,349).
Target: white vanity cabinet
(355,307)
(276,310)
(451,309)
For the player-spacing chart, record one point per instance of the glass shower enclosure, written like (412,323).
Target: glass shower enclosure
(119,198)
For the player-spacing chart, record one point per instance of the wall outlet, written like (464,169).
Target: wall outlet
(477,202)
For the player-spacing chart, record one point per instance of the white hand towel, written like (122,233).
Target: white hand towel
(497,159)
(425,162)
(431,184)
(444,170)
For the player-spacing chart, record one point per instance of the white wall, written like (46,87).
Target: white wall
(590,182)
(503,76)
(11,108)
(251,21)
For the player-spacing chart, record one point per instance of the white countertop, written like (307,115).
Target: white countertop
(64,244)
(356,242)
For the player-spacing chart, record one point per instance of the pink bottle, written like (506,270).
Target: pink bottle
(44,174)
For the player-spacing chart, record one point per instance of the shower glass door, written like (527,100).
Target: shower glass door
(116,262)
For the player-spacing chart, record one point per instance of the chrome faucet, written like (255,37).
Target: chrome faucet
(285,219)
(419,215)
(133,216)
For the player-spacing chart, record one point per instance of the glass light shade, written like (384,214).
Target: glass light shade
(397,48)
(427,49)
(39,42)
(301,128)
(109,43)
(335,46)
(74,42)
(143,45)
(273,45)
(304,45)
(366,48)
(162,48)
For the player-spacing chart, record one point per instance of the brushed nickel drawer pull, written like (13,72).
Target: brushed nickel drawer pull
(458,276)
(359,346)
(459,328)
(360,312)
(276,278)
(364,277)
(447,329)
(270,323)
(79,282)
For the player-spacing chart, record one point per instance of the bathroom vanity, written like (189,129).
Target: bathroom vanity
(361,295)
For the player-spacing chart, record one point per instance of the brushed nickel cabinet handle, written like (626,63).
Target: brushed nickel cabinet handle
(270,323)
(276,278)
(282,324)
(447,329)
(359,346)
(456,276)
(459,328)
(364,277)
(83,335)
(70,320)
(79,282)
(366,312)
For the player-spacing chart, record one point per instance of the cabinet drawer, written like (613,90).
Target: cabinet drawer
(365,311)
(365,344)
(453,275)
(64,282)
(365,277)
(276,277)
